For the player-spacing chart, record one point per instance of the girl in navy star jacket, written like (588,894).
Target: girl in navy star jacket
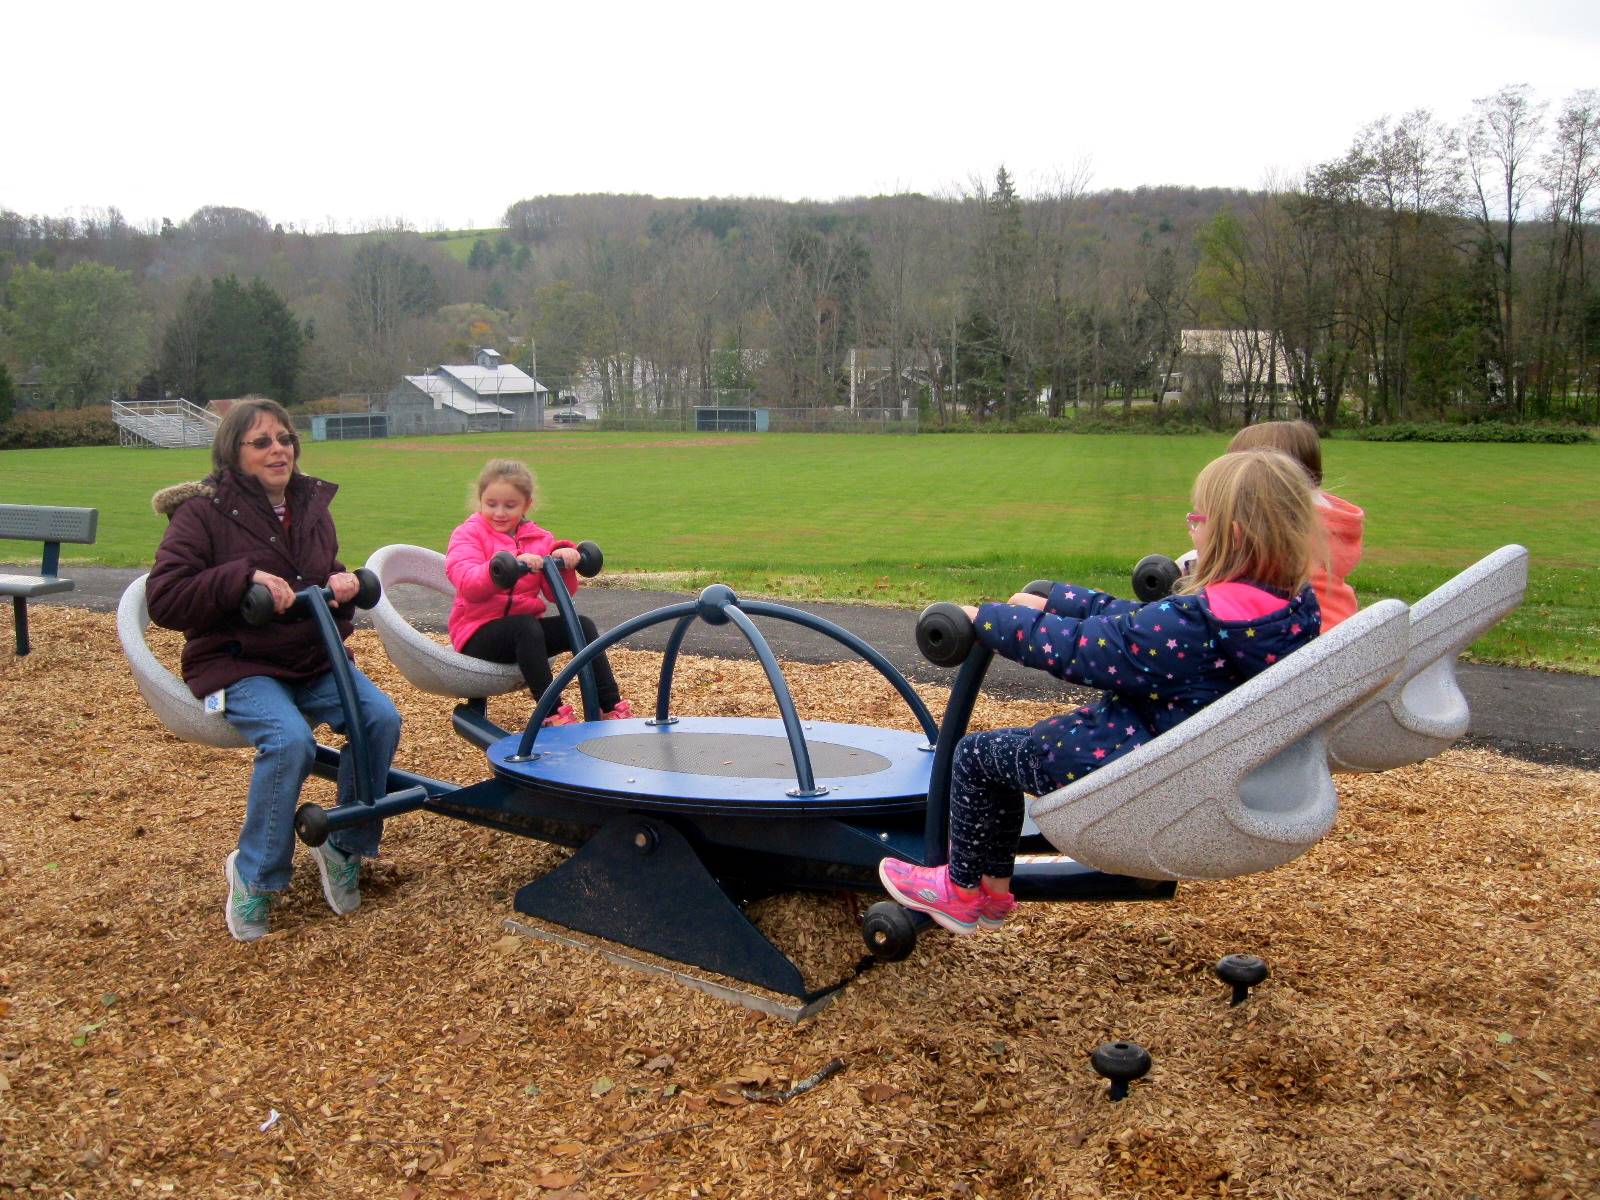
(1245,605)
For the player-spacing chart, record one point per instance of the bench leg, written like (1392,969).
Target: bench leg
(20,605)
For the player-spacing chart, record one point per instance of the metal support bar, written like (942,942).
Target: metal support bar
(844,637)
(805,781)
(569,617)
(669,663)
(19,606)
(355,736)
(640,883)
(957,714)
(547,702)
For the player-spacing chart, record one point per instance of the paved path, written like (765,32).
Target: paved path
(1543,716)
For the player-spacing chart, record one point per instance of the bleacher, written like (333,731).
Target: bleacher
(164,423)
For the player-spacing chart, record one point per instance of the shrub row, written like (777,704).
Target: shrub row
(39,429)
(1479,431)
(1144,421)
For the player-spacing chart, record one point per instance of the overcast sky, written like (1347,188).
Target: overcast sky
(342,114)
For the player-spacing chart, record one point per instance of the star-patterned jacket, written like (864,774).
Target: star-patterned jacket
(1157,663)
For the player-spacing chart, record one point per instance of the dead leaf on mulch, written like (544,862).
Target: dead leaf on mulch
(414,1051)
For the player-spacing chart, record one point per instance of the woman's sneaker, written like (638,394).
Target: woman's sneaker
(929,890)
(562,716)
(341,878)
(247,908)
(621,711)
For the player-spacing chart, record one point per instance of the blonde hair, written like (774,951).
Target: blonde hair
(504,470)
(1261,522)
(1297,439)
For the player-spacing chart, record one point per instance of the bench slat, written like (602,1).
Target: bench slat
(29,586)
(48,523)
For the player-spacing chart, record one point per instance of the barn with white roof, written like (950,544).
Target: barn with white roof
(487,395)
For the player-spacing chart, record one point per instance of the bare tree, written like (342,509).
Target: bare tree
(1502,138)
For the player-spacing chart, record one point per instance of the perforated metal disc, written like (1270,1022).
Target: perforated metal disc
(733,765)
(746,755)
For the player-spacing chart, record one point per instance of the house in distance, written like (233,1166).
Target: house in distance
(487,395)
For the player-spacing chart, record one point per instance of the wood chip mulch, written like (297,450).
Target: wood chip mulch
(1431,1026)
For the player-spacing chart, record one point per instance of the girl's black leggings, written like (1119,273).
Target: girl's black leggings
(990,774)
(530,641)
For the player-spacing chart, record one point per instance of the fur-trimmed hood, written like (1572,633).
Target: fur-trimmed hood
(166,501)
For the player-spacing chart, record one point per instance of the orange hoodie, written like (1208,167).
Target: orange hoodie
(1343,521)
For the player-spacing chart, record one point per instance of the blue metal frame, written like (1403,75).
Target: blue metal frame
(674,864)
(718,605)
(575,638)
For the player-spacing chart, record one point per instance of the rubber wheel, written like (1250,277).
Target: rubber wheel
(888,932)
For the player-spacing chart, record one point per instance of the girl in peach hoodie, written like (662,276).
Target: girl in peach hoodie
(1341,520)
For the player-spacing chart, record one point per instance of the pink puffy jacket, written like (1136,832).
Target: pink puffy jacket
(478,600)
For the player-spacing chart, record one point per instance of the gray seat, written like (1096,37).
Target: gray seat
(1423,710)
(429,665)
(168,696)
(1241,786)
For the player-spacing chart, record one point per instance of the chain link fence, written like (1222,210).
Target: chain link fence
(354,415)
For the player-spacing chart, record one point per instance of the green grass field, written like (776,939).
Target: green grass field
(906,520)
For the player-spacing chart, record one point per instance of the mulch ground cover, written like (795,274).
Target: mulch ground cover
(1431,1026)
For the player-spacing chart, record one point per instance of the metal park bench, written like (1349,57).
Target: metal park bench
(52,526)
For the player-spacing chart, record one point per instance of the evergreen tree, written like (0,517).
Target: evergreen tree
(234,340)
(8,395)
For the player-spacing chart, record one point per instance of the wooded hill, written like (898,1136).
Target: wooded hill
(1430,271)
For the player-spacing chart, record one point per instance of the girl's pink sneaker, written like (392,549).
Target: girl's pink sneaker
(992,909)
(929,890)
(562,716)
(622,711)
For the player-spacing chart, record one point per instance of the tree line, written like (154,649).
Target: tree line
(1433,270)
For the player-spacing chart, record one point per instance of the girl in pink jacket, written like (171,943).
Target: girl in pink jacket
(497,625)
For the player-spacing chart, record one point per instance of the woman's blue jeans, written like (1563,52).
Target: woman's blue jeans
(277,717)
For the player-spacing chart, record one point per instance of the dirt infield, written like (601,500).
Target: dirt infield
(1431,1027)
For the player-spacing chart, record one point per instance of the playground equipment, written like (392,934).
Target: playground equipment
(1422,711)
(678,822)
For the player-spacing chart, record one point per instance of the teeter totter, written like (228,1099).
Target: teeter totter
(678,822)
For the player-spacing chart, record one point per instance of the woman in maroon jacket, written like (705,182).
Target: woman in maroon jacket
(257,519)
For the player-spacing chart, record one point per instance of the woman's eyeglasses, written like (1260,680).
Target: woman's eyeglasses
(266,439)
(1195,520)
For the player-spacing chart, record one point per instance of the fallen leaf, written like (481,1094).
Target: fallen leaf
(510,944)
(660,1062)
(876,1093)
(466,1037)
(567,1148)
(553,1180)
(601,1086)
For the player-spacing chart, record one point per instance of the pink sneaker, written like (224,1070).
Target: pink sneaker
(562,716)
(621,711)
(992,909)
(928,890)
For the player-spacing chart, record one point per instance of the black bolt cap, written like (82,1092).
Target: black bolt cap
(1121,1063)
(1242,972)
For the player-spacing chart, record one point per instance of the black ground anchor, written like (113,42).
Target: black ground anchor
(1121,1063)
(1242,972)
